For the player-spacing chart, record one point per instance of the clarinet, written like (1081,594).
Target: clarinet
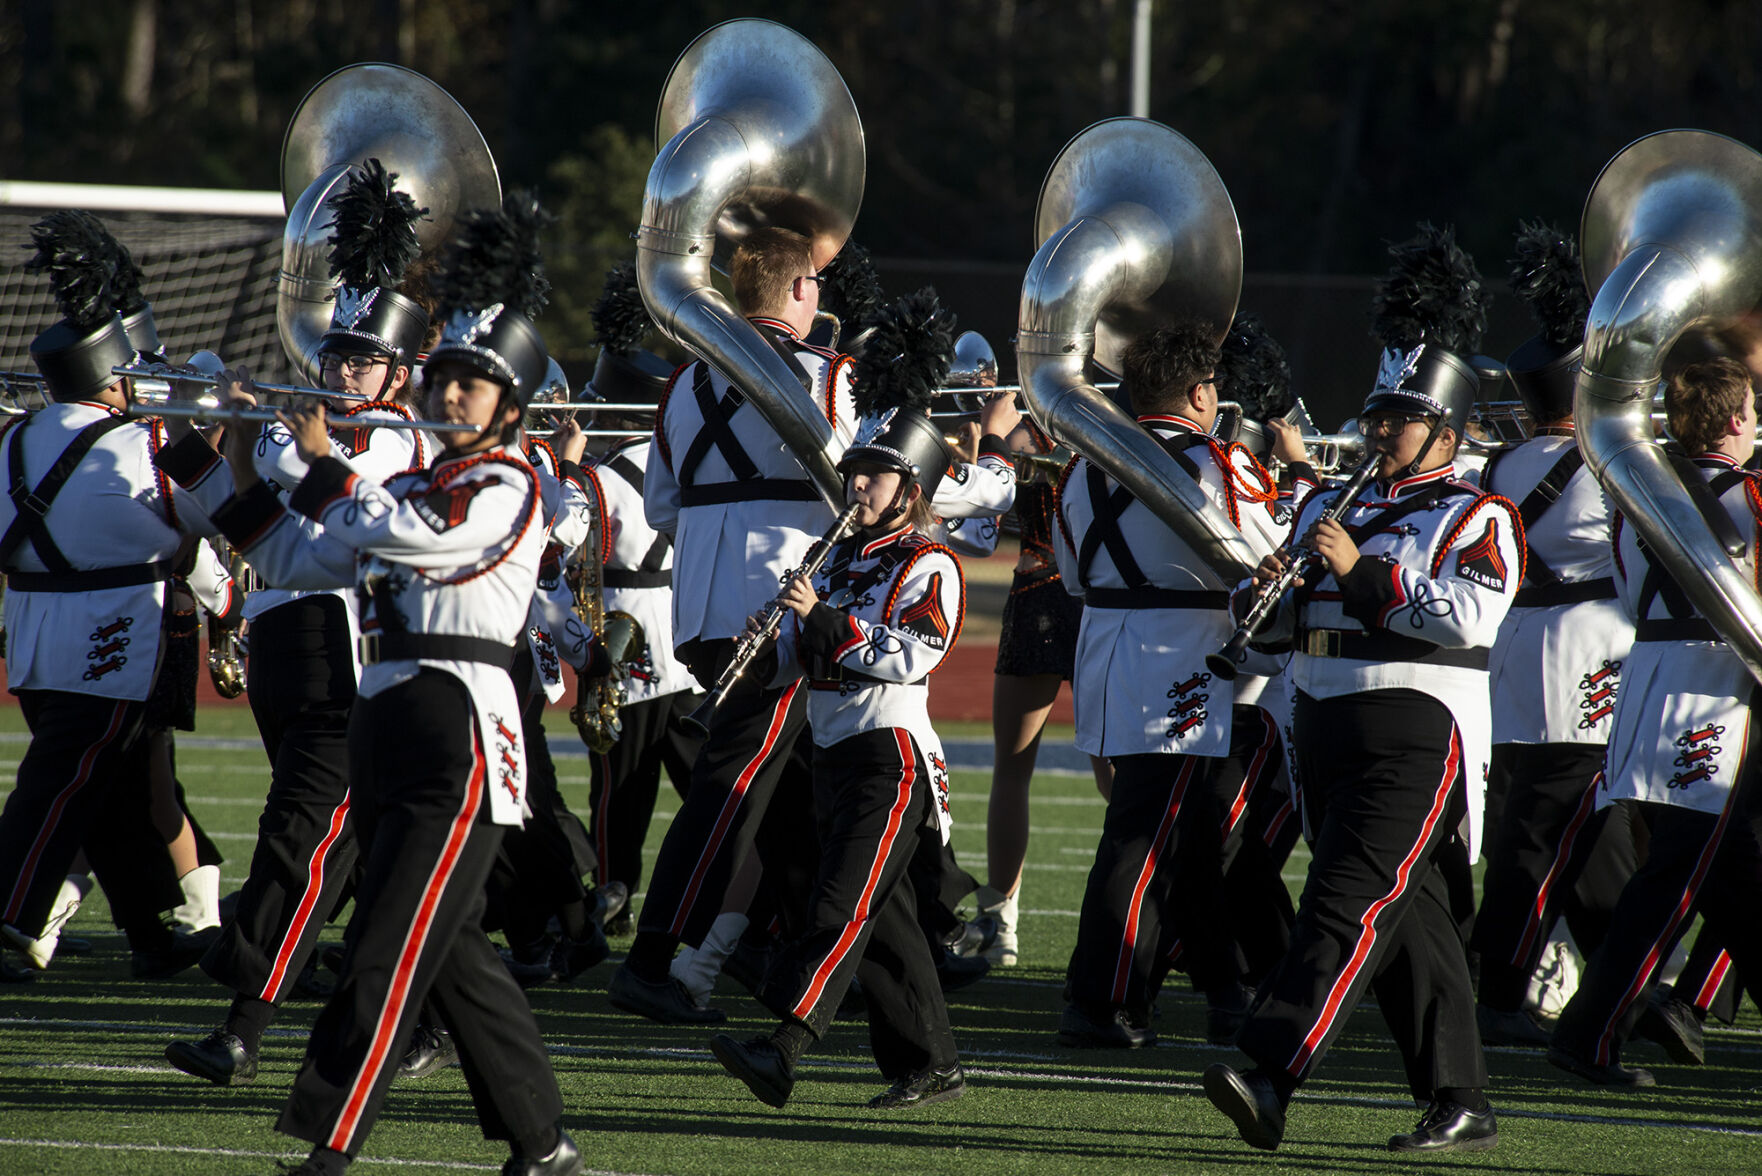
(750,643)
(1235,651)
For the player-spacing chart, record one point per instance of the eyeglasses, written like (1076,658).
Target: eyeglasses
(816,279)
(355,365)
(1390,423)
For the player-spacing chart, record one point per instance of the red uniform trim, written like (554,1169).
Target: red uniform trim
(446,474)
(385,1031)
(1367,936)
(1532,926)
(308,900)
(908,775)
(27,872)
(661,413)
(1715,977)
(730,806)
(1122,970)
(899,577)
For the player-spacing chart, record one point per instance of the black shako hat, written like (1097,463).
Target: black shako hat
(372,244)
(1547,275)
(624,373)
(490,287)
(902,361)
(1430,312)
(76,355)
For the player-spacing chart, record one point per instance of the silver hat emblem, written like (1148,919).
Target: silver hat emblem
(871,427)
(352,306)
(1397,366)
(466,326)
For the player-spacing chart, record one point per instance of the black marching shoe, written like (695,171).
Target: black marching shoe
(1612,1074)
(1449,1126)
(564,1160)
(11,973)
(1514,1028)
(1251,1103)
(181,950)
(1673,1024)
(665,1001)
(219,1057)
(431,1050)
(570,958)
(954,972)
(759,1064)
(922,1089)
(747,964)
(1117,1029)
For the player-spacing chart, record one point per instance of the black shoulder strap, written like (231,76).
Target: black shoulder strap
(782,347)
(619,462)
(31,507)
(1424,500)
(1546,493)
(1105,508)
(1656,582)
(717,431)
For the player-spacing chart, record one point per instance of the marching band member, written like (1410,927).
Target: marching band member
(741,512)
(1681,751)
(1555,670)
(446,560)
(1390,729)
(302,671)
(1186,749)
(88,537)
(878,618)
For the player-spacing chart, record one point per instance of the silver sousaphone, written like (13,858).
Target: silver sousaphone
(361,112)
(757,128)
(1135,231)
(1671,240)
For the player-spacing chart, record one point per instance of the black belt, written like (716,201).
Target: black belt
(633,578)
(92,579)
(384,647)
(1544,595)
(1155,598)
(1676,629)
(1386,647)
(753,490)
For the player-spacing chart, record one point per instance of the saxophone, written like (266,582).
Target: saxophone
(225,668)
(597,700)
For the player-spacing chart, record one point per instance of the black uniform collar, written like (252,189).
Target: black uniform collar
(777,325)
(871,546)
(1169,422)
(1401,487)
(1715,461)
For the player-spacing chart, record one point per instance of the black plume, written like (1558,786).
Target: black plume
(619,317)
(82,261)
(495,258)
(905,358)
(1253,371)
(852,289)
(127,295)
(1432,294)
(373,237)
(1545,272)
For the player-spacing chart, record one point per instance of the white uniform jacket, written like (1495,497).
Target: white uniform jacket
(453,550)
(1439,563)
(1556,666)
(893,608)
(1150,616)
(639,570)
(1682,720)
(739,506)
(116,521)
(554,634)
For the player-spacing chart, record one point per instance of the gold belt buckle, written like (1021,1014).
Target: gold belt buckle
(368,645)
(1322,643)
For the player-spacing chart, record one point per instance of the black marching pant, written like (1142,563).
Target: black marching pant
(732,782)
(427,844)
(1260,908)
(1695,861)
(1159,869)
(873,794)
(83,784)
(626,780)
(1552,854)
(301,679)
(1389,885)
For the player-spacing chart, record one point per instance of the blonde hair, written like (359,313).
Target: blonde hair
(1702,398)
(765,266)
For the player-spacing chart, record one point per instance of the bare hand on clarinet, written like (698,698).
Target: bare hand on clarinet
(1272,566)
(1329,540)
(798,596)
(306,424)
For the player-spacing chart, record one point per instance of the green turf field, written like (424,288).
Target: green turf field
(84,1087)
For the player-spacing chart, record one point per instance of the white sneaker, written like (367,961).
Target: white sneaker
(38,951)
(67,900)
(1001,951)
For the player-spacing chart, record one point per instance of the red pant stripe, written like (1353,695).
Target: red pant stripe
(309,897)
(1367,937)
(1533,925)
(83,773)
(1122,969)
(908,774)
(731,806)
(385,1032)
(1715,977)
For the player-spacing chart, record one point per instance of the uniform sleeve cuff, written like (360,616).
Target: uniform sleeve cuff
(569,471)
(188,460)
(990,444)
(326,480)
(246,518)
(823,630)
(1367,590)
